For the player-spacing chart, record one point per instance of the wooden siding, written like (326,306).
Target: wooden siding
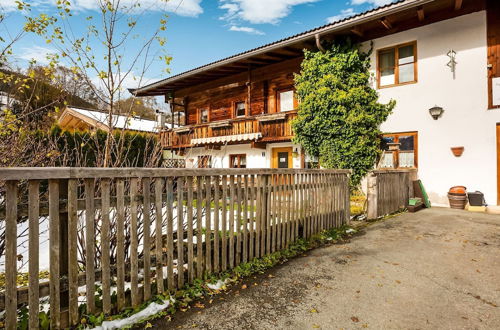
(220,96)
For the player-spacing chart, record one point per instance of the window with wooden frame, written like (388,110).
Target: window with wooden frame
(397,65)
(286,100)
(238,161)
(204,161)
(203,116)
(240,109)
(400,150)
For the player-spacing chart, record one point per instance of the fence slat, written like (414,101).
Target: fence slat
(120,241)
(245,218)
(180,232)
(231,221)
(54,241)
(199,227)
(11,255)
(72,251)
(263,219)
(267,212)
(170,234)
(191,274)
(224,222)
(251,247)
(208,224)
(105,247)
(134,244)
(90,244)
(146,250)
(34,218)
(158,234)
(216,224)
(238,219)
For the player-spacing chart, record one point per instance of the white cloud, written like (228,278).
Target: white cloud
(190,8)
(180,7)
(343,14)
(37,53)
(246,29)
(8,5)
(259,11)
(371,2)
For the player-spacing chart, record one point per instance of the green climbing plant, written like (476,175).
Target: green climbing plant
(339,113)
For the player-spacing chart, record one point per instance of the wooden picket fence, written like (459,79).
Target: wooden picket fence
(389,191)
(123,229)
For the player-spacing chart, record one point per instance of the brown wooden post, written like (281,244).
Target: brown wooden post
(63,251)
(372,198)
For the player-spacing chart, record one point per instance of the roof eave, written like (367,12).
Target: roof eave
(342,25)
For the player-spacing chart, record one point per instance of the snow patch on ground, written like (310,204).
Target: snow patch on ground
(217,286)
(152,309)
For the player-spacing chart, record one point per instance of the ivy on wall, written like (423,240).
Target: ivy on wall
(339,114)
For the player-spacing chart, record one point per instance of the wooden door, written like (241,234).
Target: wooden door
(282,158)
(498,164)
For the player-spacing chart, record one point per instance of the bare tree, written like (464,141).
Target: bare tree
(125,54)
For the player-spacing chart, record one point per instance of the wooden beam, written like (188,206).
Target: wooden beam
(258,145)
(420,13)
(385,22)
(357,31)
(458,4)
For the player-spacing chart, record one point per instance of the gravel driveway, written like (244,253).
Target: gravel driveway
(435,269)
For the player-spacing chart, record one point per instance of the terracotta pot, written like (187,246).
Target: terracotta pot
(457,151)
(457,202)
(458,190)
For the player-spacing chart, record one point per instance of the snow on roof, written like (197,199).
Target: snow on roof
(119,121)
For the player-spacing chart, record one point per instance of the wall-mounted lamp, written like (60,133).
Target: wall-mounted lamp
(436,112)
(295,152)
(263,154)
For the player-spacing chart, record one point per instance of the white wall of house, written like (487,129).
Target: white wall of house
(256,158)
(466,121)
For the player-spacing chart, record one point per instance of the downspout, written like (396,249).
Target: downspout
(249,90)
(318,43)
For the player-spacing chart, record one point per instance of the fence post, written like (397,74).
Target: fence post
(372,197)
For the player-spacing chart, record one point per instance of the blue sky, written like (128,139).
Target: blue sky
(200,31)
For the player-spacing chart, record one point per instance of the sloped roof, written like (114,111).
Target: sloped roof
(348,22)
(119,121)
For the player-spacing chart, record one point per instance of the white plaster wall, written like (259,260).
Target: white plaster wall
(256,158)
(466,121)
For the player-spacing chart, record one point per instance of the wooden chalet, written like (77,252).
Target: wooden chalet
(238,110)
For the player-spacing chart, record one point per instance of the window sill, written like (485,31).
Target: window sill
(397,85)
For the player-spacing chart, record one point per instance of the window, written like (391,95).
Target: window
(397,65)
(286,100)
(238,161)
(311,161)
(204,161)
(240,109)
(203,116)
(399,150)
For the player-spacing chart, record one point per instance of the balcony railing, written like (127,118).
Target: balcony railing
(270,127)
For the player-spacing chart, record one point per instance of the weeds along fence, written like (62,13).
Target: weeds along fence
(112,238)
(389,191)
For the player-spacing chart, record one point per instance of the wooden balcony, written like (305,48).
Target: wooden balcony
(273,127)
